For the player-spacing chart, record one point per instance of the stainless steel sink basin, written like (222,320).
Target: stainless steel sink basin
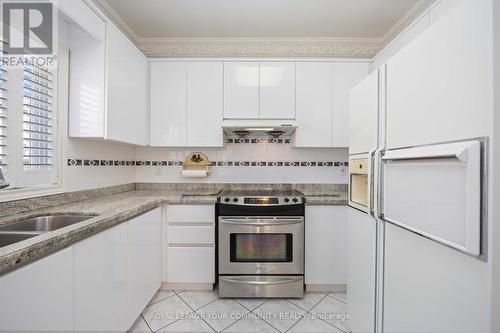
(42,224)
(7,239)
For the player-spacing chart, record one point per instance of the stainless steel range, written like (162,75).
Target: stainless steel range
(260,244)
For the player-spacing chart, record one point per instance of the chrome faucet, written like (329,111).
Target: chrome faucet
(3,183)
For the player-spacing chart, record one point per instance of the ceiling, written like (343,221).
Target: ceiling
(260,18)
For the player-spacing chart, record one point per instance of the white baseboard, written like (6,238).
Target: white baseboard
(186,286)
(336,288)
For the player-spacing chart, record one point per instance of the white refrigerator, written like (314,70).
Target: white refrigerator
(418,252)
(365,231)
(435,179)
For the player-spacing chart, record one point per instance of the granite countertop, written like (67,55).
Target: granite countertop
(110,210)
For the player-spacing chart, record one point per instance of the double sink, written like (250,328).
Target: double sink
(20,230)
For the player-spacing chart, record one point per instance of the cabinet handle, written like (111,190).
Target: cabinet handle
(262,283)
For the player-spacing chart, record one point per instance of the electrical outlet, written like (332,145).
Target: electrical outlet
(158,171)
(343,171)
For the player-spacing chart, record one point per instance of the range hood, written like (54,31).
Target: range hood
(259,128)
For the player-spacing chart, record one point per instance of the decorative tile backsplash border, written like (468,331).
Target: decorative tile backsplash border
(258,141)
(95,163)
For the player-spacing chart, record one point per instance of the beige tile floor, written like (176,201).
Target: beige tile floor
(203,311)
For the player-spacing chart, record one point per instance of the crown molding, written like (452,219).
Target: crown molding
(259,47)
(113,16)
(265,47)
(404,22)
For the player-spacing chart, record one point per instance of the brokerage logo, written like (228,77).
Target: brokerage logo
(29,32)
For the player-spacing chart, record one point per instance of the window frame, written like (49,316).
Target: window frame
(14,168)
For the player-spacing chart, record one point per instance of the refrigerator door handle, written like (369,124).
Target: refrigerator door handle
(371,182)
(378,183)
(455,177)
(458,151)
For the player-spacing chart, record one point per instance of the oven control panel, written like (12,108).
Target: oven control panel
(262,201)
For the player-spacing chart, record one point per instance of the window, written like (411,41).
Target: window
(29,141)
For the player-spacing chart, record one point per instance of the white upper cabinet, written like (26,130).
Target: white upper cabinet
(322,97)
(168,103)
(108,85)
(241,90)
(127,103)
(205,104)
(87,68)
(363,115)
(277,90)
(345,76)
(314,104)
(186,104)
(254,90)
(439,86)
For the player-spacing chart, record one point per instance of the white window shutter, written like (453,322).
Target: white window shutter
(38,118)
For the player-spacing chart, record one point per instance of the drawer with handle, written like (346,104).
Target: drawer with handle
(359,166)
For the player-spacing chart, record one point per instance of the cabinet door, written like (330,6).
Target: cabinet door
(191,213)
(168,103)
(39,297)
(439,86)
(241,90)
(345,76)
(198,235)
(101,281)
(326,244)
(314,104)
(144,234)
(191,264)
(277,90)
(126,110)
(363,115)
(205,104)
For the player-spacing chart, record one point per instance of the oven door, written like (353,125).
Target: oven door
(261,245)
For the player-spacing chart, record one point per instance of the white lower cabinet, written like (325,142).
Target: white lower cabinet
(191,235)
(144,261)
(326,245)
(190,214)
(116,273)
(190,245)
(191,264)
(38,297)
(101,281)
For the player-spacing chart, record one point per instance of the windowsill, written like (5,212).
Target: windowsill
(28,193)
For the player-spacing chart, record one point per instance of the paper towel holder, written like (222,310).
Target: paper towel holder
(196,161)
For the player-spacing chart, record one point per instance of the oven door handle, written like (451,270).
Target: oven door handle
(262,283)
(261,222)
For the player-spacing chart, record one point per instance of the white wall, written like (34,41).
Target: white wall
(248,174)
(87,177)
(430,16)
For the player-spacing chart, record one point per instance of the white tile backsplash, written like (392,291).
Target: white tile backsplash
(248,174)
